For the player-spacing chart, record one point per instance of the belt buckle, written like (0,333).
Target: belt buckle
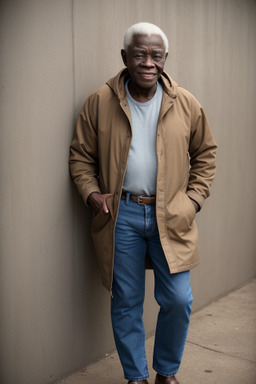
(140,200)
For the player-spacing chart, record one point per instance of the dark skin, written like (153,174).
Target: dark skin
(145,59)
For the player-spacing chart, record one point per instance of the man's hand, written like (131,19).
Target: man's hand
(98,202)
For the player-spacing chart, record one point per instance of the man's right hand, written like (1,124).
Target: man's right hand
(98,202)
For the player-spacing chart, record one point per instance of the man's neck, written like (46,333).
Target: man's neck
(141,95)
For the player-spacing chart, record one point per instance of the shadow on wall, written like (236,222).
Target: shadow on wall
(91,300)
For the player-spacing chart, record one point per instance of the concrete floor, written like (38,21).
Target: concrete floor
(220,349)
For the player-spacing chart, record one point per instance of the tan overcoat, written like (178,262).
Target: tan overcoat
(186,153)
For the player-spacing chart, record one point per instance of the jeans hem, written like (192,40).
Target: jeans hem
(164,373)
(129,378)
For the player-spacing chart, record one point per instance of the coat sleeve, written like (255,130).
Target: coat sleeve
(202,151)
(83,159)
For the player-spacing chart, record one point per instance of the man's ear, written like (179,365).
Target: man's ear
(124,57)
(166,55)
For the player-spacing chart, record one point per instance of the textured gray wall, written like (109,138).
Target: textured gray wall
(54,312)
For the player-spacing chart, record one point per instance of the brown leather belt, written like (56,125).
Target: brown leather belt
(143,200)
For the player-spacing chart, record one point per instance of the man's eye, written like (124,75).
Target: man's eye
(157,57)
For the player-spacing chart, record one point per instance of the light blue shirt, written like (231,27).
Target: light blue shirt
(141,171)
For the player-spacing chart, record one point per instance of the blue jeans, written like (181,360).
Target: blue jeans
(137,234)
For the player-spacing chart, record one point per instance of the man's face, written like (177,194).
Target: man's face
(145,58)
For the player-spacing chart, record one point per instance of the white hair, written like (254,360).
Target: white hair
(147,29)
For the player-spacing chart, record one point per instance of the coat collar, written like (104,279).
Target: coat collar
(117,84)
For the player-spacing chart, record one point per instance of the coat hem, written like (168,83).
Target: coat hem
(184,269)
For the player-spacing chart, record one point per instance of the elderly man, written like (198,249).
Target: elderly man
(143,158)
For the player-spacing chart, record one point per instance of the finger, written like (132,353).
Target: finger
(105,207)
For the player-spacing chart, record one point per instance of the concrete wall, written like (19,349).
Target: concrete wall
(54,312)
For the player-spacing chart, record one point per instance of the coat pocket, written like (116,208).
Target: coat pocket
(180,213)
(101,219)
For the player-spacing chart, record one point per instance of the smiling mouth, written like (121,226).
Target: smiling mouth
(147,75)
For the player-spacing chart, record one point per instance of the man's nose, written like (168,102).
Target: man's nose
(148,61)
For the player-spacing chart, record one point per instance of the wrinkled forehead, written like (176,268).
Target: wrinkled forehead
(153,41)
